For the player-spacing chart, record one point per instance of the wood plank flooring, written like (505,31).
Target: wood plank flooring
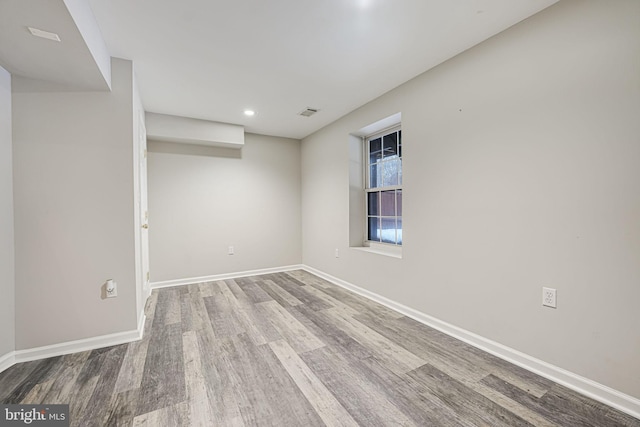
(290,349)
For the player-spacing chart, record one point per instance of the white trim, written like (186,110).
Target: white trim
(93,343)
(141,321)
(146,293)
(80,345)
(585,386)
(393,251)
(7,361)
(379,126)
(216,277)
(60,349)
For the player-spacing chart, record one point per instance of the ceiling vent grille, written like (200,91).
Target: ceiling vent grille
(44,34)
(308,112)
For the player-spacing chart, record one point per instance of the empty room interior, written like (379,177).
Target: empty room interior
(344,212)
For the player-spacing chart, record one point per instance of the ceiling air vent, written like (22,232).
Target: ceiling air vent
(308,112)
(44,34)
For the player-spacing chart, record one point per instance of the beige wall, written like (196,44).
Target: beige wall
(74,212)
(521,171)
(7,273)
(204,199)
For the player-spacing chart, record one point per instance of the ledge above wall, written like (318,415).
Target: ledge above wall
(163,127)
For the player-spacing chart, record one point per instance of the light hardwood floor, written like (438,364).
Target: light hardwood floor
(290,349)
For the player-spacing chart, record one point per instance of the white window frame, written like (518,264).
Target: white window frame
(368,189)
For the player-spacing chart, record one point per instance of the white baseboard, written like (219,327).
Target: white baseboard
(146,293)
(585,386)
(10,359)
(623,402)
(79,345)
(7,360)
(68,347)
(141,321)
(225,276)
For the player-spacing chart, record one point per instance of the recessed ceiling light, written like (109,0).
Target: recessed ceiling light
(249,113)
(44,34)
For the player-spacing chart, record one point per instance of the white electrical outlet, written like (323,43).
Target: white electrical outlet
(549,297)
(111,288)
(337,253)
(230,250)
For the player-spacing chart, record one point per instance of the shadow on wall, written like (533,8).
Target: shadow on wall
(193,150)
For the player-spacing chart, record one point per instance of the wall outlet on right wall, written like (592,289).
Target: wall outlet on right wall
(549,297)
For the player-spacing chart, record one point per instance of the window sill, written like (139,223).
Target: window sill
(386,250)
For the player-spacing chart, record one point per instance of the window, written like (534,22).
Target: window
(383,186)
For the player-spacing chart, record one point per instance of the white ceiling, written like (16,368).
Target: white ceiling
(211,59)
(74,63)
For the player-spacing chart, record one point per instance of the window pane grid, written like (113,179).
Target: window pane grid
(384,216)
(384,187)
